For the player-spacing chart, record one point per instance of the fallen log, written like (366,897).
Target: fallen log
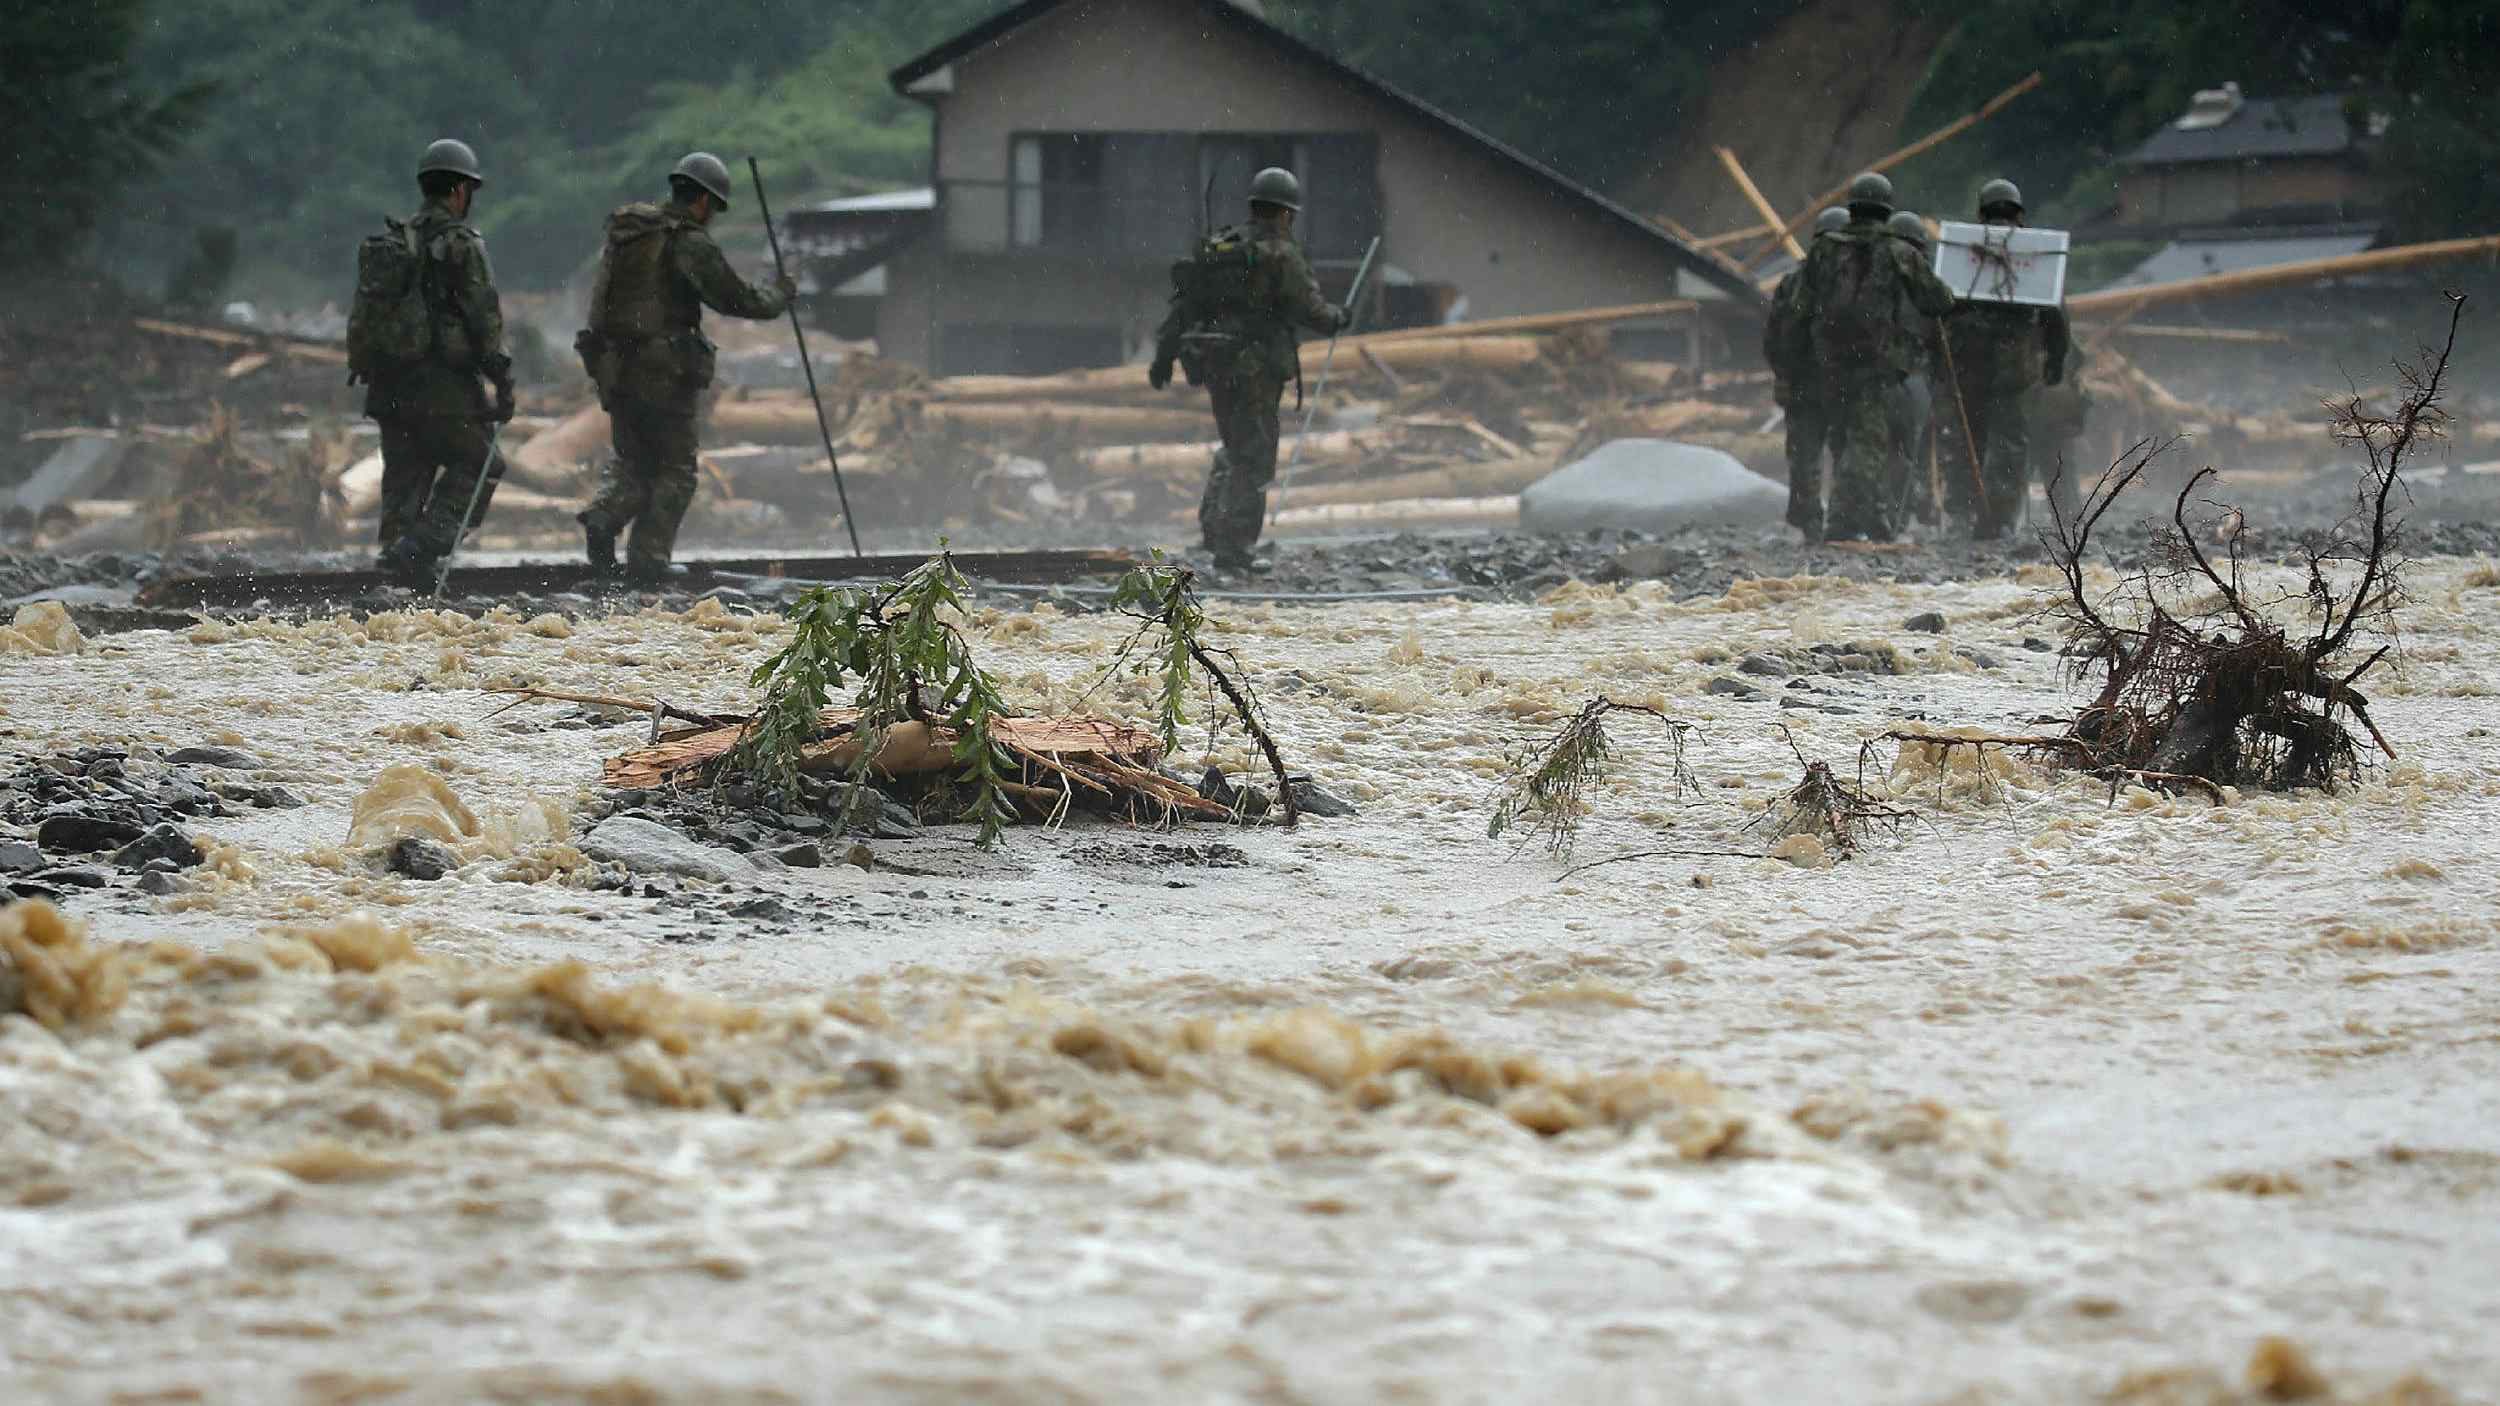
(224,337)
(1102,422)
(1495,511)
(553,453)
(1528,323)
(2122,302)
(792,420)
(1462,480)
(1190,459)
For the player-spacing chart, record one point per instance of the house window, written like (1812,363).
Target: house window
(1147,194)
(1101,193)
(1340,177)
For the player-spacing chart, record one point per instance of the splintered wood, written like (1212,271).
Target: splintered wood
(1114,766)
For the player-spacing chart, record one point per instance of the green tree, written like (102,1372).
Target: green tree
(2117,72)
(80,121)
(1591,89)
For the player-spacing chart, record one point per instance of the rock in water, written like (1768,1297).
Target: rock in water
(647,847)
(422,860)
(19,857)
(1651,485)
(225,757)
(162,842)
(75,833)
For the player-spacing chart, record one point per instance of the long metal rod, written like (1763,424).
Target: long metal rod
(765,211)
(477,491)
(1354,307)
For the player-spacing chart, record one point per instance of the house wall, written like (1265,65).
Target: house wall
(2212,192)
(1453,212)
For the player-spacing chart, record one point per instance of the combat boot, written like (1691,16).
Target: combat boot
(598,544)
(408,560)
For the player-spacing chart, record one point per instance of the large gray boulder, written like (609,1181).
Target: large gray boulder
(648,847)
(1651,485)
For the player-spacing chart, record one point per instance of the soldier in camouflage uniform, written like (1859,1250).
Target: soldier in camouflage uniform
(1997,352)
(1235,305)
(434,414)
(1793,389)
(1916,406)
(1864,291)
(646,351)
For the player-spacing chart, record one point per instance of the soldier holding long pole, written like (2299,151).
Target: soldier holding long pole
(646,351)
(1236,302)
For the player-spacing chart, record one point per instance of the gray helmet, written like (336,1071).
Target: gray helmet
(1870,190)
(1276,186)
(707,171)
(1999,192)
(1832,219)
(452,156)
(1905,224)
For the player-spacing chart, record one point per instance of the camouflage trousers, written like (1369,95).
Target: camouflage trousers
(1232,513)
(1809,434)
(2003,467)
(430,466)
(650,483)
(1866,450)
(1913,417)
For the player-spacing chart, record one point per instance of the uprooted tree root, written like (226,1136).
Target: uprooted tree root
(1546,786)
(2200,687)
(1841,815)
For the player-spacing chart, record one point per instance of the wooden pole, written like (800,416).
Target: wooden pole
(1762,206)
(1921,147)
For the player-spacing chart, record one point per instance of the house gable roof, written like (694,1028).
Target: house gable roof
(1245,20)
(2262,128)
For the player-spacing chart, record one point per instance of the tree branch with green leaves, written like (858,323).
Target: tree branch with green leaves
(904,661)
(1169,643)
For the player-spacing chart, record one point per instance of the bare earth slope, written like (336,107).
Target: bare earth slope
(1820,95)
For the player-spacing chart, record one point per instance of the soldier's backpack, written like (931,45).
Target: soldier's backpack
(1856,298)
(390,326)
(1217,283)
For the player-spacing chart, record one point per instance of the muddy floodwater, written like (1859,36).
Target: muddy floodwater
(2059,1095)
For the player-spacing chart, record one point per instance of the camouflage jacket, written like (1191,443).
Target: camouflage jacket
(1866,299)
(658,270)
(469,345)
(2002,348)
(1247,330)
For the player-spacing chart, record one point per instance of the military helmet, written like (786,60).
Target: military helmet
(1907,225)
(452,156)
(1833,218)
(1999,192)
(707,171)
(1276,186)
(1870,190)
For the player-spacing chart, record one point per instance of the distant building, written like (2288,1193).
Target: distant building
(1081,145)
(2240,183)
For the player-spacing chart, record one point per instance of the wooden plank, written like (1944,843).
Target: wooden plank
(1761,204)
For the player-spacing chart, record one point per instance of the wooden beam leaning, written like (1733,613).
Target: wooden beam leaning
(1762,206)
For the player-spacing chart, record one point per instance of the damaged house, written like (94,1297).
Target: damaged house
(1080,146)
